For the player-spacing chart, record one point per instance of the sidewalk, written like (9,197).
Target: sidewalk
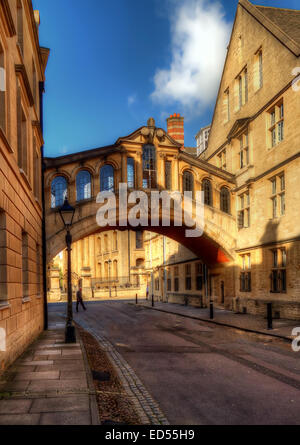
(245,322)
(50,384)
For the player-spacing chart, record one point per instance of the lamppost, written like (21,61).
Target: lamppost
(109,266)
(67,214)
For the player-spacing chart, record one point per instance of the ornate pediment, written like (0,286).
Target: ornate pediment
(238,127)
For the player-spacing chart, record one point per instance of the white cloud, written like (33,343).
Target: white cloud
(200,35)
(131,99)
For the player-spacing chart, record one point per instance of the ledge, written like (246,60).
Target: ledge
(4,305)
(26,300)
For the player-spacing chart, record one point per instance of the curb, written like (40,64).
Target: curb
(219,323)
(146,407)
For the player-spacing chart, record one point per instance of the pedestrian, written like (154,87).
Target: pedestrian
(147,292)
(79,300)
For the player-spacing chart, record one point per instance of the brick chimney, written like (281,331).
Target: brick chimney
(175,127)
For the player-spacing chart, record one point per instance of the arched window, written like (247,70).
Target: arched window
(225,200)
(149,167)
(207,189)
(107,178)
(2,91)
(83,185)
(130,173)
(115,269)
(98,245)
(115,241)
(139,239)
(106,269)
(99,274)
(105,243)
(59,189)
(188,182)
(140,262)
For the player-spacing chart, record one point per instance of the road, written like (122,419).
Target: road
(202,374)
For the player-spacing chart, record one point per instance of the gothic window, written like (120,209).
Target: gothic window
(107,178)
(207,189)
(188,277)
(149,167)
(188,182)
(225,200)
(245,276)
(130,173)
(59,190)
(83,185)
(278,273)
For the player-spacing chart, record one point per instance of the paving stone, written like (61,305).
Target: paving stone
(68,352)
(37,375)
(72,375)
(20,419)
(41,363)
(17,369)
(57,385)
(61,367)
(49,352)
(14,386)
(20,406)
(66,418)
(57,404)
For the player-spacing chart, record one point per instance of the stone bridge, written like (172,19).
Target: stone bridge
(147,159)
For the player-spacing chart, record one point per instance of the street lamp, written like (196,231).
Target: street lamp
(109,266)
(67,214)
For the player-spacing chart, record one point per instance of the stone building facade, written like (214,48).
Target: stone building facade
(249,175)
(22,68)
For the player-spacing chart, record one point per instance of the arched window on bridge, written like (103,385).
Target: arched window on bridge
(149,167)
(187,182)
(207,189)
(107,178)
(225,200)
(59,190)
(130,173)
(83,185)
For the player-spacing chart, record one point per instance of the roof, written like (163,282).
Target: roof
(286,19)
(284,24)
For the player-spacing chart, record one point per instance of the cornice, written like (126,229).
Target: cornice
(21,71)
(8,20)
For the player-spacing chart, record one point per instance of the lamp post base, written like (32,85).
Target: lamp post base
(70,335)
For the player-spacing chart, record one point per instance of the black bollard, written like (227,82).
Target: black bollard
(136,299)
(152,300)
(211,310)
(269,316)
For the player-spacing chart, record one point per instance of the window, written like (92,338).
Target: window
(139,240)
(199,276)
(222,160)
(168,175)
(99,246)
(36,172)
(176,279)
(169,282)
(260,69)
(22,134)
(278,273)
(244,150)
(20,26)
(278,196)
(83,185)
(188,277)
(115,241)
(187,182)
(225,200)
(245,276)
(2,91)
(130,173)
(149,167)
(242,86)
(107,178)
(25,271)
(105,243)
(59,189)
(207,189)
(227,105)
(157,284)
(244,211)
(276,124)
(115,269)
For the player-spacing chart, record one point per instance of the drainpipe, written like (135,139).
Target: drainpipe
(44,246)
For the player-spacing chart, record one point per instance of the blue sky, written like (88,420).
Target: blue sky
(115,63)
